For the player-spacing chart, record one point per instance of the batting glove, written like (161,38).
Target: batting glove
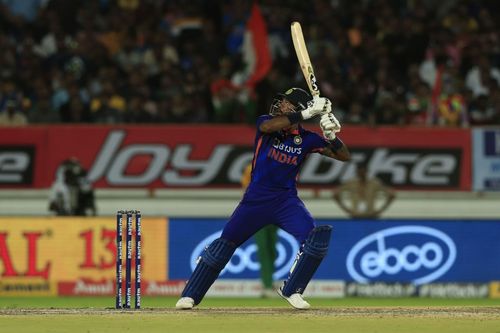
(329,135)
(329,125)
(318,105)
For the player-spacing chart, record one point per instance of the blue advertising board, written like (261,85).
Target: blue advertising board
(399,250)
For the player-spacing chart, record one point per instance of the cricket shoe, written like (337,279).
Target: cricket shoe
(295,300)
(185,303)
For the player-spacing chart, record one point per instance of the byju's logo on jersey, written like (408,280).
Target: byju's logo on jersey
(406,253)
(245,257)
(287,149)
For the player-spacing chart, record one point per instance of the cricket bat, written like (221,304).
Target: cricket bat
(303,56)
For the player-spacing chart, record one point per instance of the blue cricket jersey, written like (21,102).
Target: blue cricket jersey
(271,197)
(278,156)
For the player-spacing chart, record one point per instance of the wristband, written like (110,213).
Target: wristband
(294,117)
(336,144)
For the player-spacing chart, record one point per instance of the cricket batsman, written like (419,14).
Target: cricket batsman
(281,146)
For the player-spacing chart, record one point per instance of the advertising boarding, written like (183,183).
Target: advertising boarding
(215,156)
(486,161)
(362,251)
(72,255)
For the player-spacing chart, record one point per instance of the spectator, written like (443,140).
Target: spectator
(40,106)
(478,77)
(25,10)
(449,106)
(9,93)
(364,62)
(358,196)
(355,116)
(418,105)
(482,112)
(451,111)
(59,197)
(71,193)
(12,115)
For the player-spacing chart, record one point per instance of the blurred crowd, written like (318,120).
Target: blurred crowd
(382,62)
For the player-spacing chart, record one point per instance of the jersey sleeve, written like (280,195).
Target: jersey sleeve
(262,119)
(318,143)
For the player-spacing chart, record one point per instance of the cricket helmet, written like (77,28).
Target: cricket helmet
(296,96)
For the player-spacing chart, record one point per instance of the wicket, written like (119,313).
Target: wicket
(128,259)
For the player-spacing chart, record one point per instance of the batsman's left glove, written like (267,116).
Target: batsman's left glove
(327,108)
(316,106)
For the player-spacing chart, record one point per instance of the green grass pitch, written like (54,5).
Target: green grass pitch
(242,315)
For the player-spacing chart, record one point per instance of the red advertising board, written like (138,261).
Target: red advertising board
(214,156)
